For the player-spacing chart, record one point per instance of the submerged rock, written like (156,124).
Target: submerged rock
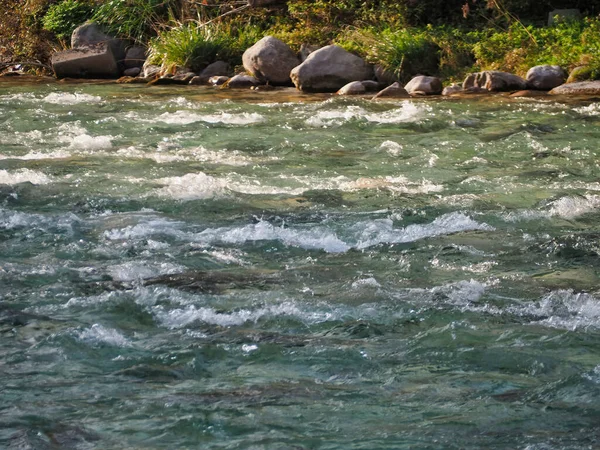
(242,81)
(133,72)
(581,88)
(452,89)
(353,88)
(529,93)
(424,85)
(270,61)
(393,91)
(329,69)
(495,81)
(218,80)
(216,282)
(545,77)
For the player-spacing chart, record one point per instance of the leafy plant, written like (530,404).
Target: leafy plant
(188,45)
(405,52)
(62,18)
(133,19)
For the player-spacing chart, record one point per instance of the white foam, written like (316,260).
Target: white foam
(392,148)
(362,234)
(33,156)
(571,207)
(366,282)
(408,112)
(179,318)
(565,309)
(310,239)
(24,176)
(98,334)
(200,154)
(87,142)
(187,117)
(191,186)
(382,231)
(149,227)
(132,271)
(65,98)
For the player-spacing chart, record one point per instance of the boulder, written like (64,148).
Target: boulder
(218,80)
(216,69)
(393,91)
(371,86)
(495,80)
(91,34)
(352,88)
(452,89)
(86,62)
(544,78)
(270,61)
(580,73)
(242,81)
(529,93)
(133,72)
(580,88)
(184,77)
(424,85)
(135,57)
(330,68)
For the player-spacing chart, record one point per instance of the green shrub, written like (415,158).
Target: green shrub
(62,18)
(567,44)
(188,45)
(138,20)
(195,45)
(405,52)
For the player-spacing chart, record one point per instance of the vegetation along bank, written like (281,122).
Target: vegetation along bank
(318,45)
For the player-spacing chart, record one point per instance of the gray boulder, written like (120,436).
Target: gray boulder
(544,78)
(330,68)
(495,81)
(352,88)
(216,69)
(218,80)
(394,91)
(242,81)
(135,57)
(580,88)
(86,62)
(133,72)
(91,34)
(371,85)
(270,61)
(424,85)
(452,89)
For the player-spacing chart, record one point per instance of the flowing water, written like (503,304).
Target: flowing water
(186,268)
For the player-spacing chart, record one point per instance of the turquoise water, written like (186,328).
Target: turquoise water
(190,268)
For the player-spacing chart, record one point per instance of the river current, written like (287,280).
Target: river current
(190,268)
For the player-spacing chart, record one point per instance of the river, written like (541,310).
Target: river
(195,268)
